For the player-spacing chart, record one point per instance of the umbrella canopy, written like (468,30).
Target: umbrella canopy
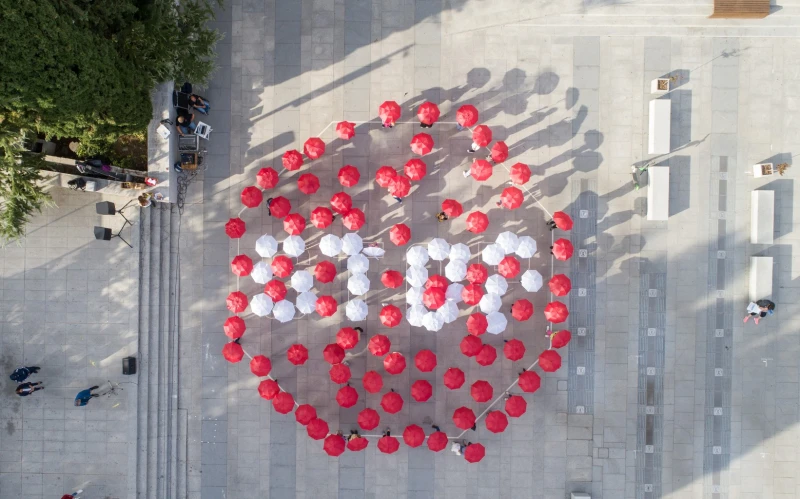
(326,306)
(358,443)
(496,323)
(294,245)
(292,160)
(347,396)
(305,413)
(529,381)
(413,435)
(341,202)
(421,390)
(416,276)
(480,170)
(511,198)
(372,381)
(345,130)
(433,298)
(234,327)
(251,196)
(522,310)
(477,273)
(348,175)
(452,208)
(415,315)
(562,220)
(275,289)
(389,112)
(428,113)
(516,406)
(490,302)
(392,402)
(400,186)
(325,271)
(242,265)
(454,378)
(415,169)
(417,256)
(481,391)
(392,279)
(556,312)
(308,183)
(334,445)
(560,285)
(268,389)
(486,356)
(432,321)
(267,178)
(509,267)
(438,249)
(514,350)
(492,254)
(414,296)
(470,345)
(354,219)
(453,292)
(235,228)
(340,374)
(294,223)
(356,310)
(321,217)
(261,305)
(333,353)
(236,302)
(358,284)
(232,352)
(358,264)
(379,345)
(464,418)
(472,294)
(400,234)
(306,302)
(496,421)
(448,312)
(297,354)
(282,266)
(526,248)
(508,241)
(467,115)
(435,281)
(283,403)
(317,429)
(482,135)
(280,207)
(421,144)
(499,152)
(425,360)
(477,222)
(455,270)
(437,441)
(352,244)
(261,273)
(266,246)
(390,316)
(549,361)
(283,311)
(531,280)
(560,339)
(477,324)
(562,249)
(385,175)
(330,245)
(388,445)
(314,147)
(520,173)
(460,252)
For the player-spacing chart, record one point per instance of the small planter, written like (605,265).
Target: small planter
(659,86)
(763,169)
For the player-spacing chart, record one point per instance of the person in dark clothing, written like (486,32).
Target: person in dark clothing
(441,216)
(201,104)
(25,389)
(269,203)
(84,396)
(185,122)
(551,224)
(758,310)
(20,374)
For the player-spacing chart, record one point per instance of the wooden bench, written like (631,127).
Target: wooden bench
(658,193)
(740,9)
(762,217)
(760,277)
(660,116)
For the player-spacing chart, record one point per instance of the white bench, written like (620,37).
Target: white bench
(658,193)
(762,217)
(660,116)
(760,277)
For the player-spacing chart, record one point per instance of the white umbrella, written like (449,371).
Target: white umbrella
(414,296)
(417,256)
(448,312)
(306,302)
(438,249)
(358,284)
(330,245)
(294,246)
(526,248)
(432,321)
(415,315)
(455,271)
(416,276)
(358,264)
(532,280)
(454,292)
(352,243)
(492,254)
(497,323)
(459,252)
(508,241)
(283,311)
(302,281)
(490,302)
(262,273)
(261,305)
(496,284)
(373,251)
(356,310)
(266,246)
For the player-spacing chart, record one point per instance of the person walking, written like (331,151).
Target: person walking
(398,199)
(25,389)
(387,432)
(441,216)
(269,203)
(551,224)
(353,435)
(758,310)
(20,374)
(473,148)
(84,396)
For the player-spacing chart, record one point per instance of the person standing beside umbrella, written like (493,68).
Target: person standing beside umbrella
(759,310)
(441,216)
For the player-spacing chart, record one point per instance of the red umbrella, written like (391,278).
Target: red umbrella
(321,217)
(325,271)
(549,361)
(454,378)
(433,298)
(305,414)
(294,224)
(436,281)
(388,445)
(297,354)
(480,170)
(354,219)
(260,365)
(560,339)
(275,289)
(560,285)
(452,208)
(415,169)
(486,356)
(314,147)
(477,324)
(242,265)
(516,406)
(235,228)
(496,422)
(428,113)
(477,222)
(467,115)
(471,345)
(520,173)
(413,436)
(279,207)
(292,160)
(268,389)
(522,310)
(281,266)
(464,418)
(421,144)
(425,360)
(562,249)
(477,273)
(482,135)
(389,112)
(509,267)
(437,441)
(283,403)
(339,374)
(251,196)
(317,429)
(349,175)
(384,176)
(481,391)
(556,312)
(372,381)
(326,306)
(392,402)
(472,294)
(514,350)
(511,198)
(341,202)
(236,302)
(474,453)
(234,327)
(499,152)
(334,445)
(358,443)
(345,130)
(394,363)
(390,316)
(400,186)
(347,396)
(562,220)
(267,178)
(333,353)
(347,338)
(379,345)
(529,381)
(421,390)
(400,234)
(392,279)
(308,183)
